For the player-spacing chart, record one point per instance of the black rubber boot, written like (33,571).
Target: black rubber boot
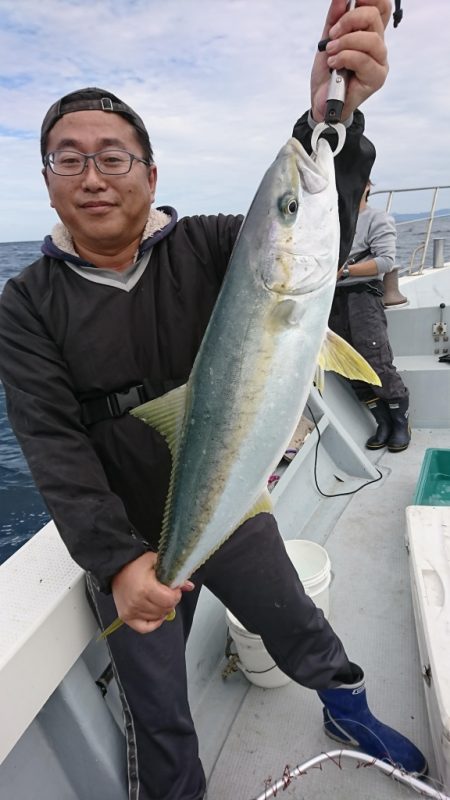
(401,432)
(382,434)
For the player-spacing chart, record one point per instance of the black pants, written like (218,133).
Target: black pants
(253,577)
(360,318)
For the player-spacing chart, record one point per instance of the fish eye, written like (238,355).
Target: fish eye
(289,205)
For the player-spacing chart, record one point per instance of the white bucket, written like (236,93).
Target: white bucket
(314,570)
(254,660)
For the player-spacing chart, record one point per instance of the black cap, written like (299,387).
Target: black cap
(91,99)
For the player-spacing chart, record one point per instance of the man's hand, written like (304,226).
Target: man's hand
(357,44)
(141,600)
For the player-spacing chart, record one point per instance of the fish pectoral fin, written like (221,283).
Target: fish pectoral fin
(339,356)
(165,414)
(286,312)
(319,378)
(263,504)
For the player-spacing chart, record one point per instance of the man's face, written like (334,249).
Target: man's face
(103,213)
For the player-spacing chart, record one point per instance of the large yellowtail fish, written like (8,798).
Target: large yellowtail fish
(230,425)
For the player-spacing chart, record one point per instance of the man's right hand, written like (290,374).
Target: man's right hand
(357,44)
(143,602)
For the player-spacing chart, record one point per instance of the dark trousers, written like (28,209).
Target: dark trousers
(360,318)
(252,575)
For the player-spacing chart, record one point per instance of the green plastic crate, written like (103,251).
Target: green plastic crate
(433,486)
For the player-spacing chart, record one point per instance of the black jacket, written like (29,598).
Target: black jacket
(65,338)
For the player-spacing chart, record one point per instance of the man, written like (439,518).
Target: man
(113,314)
(358,315)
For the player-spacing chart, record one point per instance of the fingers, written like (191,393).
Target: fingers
(360,53)
(356,45)
(139,596)
(338,12)
(362,18)
(142,602)
(382,7)
(364,54)
(356,38)
(152,606)
(365,42)
(145,626)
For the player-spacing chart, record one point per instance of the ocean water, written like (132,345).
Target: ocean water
(412,233)
(22,512)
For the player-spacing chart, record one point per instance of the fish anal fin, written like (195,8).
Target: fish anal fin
(165,414)
(339,356)
(263,504)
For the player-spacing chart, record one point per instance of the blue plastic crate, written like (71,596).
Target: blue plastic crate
(433,486)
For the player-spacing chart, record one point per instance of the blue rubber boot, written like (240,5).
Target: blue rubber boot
(348,720)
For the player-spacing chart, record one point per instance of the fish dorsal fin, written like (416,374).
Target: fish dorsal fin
(339,356)
(166,415)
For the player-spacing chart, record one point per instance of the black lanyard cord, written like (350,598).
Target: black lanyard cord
(398,13)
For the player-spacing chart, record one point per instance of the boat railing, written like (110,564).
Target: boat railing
(422,247)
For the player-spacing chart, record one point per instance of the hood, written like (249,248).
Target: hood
(161,221)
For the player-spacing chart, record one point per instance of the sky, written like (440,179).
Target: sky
(219,85)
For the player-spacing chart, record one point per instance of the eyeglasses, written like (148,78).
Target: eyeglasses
(108,162)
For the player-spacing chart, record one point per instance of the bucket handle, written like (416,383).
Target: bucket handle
(234,662)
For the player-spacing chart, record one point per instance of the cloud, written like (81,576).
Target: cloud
(219,84)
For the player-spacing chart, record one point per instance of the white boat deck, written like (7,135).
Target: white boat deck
(248,735)
(371,610)
(61,737)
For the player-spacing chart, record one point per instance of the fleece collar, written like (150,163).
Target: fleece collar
(59,244)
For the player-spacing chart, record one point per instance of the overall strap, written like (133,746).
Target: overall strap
(116,404)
